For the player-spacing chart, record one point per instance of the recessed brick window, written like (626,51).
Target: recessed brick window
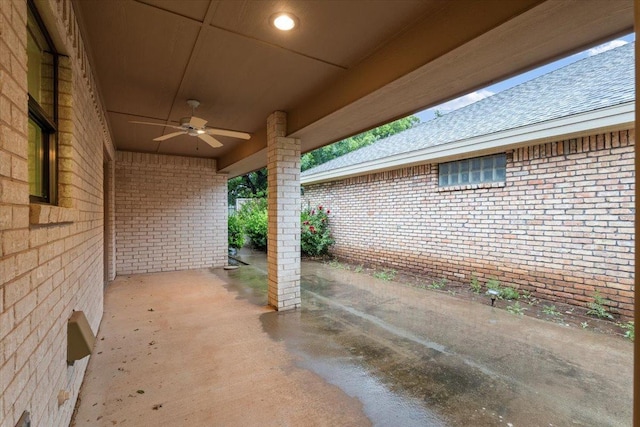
(43,115)
(477,170)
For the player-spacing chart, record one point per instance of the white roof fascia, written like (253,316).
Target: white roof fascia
(603,120)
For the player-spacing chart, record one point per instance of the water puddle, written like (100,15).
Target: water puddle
(366,342)
(383,406)
(308,335)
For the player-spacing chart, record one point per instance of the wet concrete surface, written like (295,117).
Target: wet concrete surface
(179,349)
(414,357)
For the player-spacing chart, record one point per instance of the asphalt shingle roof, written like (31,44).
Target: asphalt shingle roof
(596,82)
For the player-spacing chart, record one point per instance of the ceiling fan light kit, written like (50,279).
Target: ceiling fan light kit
(195,126)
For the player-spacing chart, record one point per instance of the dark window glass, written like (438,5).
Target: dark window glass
(42,87)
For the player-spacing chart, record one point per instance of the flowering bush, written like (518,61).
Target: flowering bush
(314,232)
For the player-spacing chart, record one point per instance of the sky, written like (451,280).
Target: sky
(472,97)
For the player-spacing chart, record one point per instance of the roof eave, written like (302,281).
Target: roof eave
(608,119)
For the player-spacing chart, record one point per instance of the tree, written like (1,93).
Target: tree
(254,184)
(340,148)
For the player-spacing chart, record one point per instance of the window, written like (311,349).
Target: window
(42,76)
(473,171)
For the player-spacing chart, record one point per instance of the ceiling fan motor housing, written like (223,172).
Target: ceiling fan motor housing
(196,126)
(185,122)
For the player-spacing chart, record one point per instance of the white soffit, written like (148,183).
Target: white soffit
(604,120)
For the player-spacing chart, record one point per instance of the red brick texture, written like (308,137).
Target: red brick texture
(561,226)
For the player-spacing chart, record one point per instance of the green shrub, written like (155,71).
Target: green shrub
(507,293)
(315,238)
(386,274)
(630,330)
(236,231)
(598,307)
(314,231)
(494,284)
(438,284)
(475,284)
(253,216)
(515,308)
(551,310)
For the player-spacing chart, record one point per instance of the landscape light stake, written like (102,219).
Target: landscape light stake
(493,294)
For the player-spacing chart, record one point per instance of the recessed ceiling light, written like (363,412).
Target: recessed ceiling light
(284,21)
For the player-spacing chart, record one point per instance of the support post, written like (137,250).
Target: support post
(283,251)
(636,353)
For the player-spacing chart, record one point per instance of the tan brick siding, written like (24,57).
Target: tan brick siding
(283,253)
(51,258)
(561,227)
(171,213)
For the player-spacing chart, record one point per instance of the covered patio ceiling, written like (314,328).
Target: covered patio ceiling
(348,67)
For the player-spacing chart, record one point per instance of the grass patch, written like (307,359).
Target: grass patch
(475,285)
(629,330)
(386,274)
(516,309)
(598,307)
(507,293)
(338,265)
(438,284)
(551,310)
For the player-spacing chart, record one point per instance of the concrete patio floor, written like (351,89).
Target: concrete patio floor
(200,348)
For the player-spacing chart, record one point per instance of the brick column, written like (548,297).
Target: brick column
(283,253)
(109,219)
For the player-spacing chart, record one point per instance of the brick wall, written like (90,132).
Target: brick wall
(171,213)
(51,257)
(283,251)
(562,226)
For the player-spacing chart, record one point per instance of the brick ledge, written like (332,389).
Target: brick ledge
(472,186)
(47,214)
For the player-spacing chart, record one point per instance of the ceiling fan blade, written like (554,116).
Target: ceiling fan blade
(210,140)
(169,135)
(231,133)
(156,124)
(197,122)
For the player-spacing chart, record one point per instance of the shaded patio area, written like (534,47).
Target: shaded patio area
(201,348)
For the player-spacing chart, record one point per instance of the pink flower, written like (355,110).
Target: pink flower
(320,207)
(312,229)
(328,211)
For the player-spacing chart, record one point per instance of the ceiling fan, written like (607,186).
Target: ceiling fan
(195,126)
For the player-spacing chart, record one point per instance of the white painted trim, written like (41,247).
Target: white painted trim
(603,120)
